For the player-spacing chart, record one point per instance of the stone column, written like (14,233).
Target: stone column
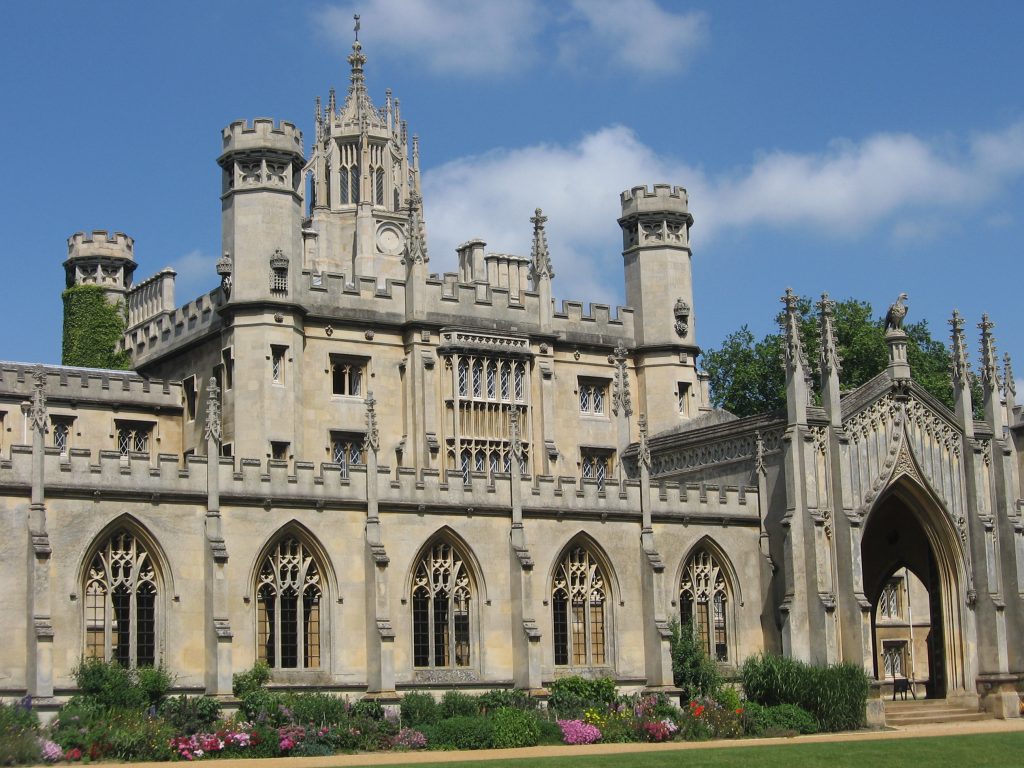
(380,634)
(39,661)
(526,651)
(218,626)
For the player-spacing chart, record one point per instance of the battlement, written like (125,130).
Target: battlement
(64,384)
(153,296)
(167,330)
(252,482)
(262,134)
(101,244)
(661,199)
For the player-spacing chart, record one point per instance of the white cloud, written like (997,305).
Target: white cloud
(848,189)
(489,37)
(197,274)
(472,37)
(640,34)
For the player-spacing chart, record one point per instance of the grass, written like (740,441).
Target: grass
(995,749)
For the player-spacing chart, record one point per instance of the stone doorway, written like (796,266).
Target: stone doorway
(912,579)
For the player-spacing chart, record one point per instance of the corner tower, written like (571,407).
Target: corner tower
(656,250)
(366,212)
(261,207)
(105,260)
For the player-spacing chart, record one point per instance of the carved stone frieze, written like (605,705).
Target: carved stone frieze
(731,449)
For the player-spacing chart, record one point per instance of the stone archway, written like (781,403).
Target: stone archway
(907,533)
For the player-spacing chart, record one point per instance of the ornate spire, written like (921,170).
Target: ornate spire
(318,120)
(960,367)
(514,438)
(372,431)
(620,384)
(416,242)
(830,360)
(989,366)
(643,453)
(794,346)
(359,106)
(37,415)
(212,430)
(540,258)
(332,104)
(1009,385)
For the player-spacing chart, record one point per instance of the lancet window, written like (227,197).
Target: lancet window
(120,602)
(442,591)
(289,594)
(579,598)
(704,602)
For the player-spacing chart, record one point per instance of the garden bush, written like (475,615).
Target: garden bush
(251,680)
(506,697)
(190,714)
(571,696)
(549,732)
(419,709)
(514,728)
(315,708)
(109,685)
(835,695)
(777,720)
(367,709)
(19,740)
(693,671)
(461,732)
(457,704)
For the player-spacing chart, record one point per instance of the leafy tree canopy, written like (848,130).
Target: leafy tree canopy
(92,329)
(747,375)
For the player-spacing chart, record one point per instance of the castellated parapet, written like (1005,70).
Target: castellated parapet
(99,244)
(263,134)
(662,198)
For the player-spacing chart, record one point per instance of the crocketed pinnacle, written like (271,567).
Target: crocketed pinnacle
(830,360)
(540,258)
(1009,385)
(358,105)
(794,346)
(989,366)
(960,366)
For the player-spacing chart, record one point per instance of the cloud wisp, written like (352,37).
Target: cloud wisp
(484,38)
(848,189)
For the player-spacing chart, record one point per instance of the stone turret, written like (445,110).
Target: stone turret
(261,207)
(656,250)
(99,258)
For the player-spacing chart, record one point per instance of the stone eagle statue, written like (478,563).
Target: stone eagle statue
(897,311)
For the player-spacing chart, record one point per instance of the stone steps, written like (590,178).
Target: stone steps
(928,711)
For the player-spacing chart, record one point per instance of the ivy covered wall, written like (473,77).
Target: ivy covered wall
(92,329)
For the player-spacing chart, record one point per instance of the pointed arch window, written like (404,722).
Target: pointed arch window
(704,601)
(379,186)
(289,593)
(579,599)
(120,602)
(441,594)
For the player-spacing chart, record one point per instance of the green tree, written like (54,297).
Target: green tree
(92,329)
(747,377)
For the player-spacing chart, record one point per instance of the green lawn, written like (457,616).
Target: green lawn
(995,749)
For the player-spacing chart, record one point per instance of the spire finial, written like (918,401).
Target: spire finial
(794,347)
(356,17)
(540,258)
(213,423)
(960,366)
(989,369)
(1009,385)
(830,359)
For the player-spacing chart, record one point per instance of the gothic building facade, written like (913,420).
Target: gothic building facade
(376,478)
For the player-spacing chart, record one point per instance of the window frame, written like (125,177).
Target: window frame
(442,569)
(592,461)
(568,566)
(710,605)
(355,442)
(296,562)
(592,396)
(134,429)
(354,364)
(58,423)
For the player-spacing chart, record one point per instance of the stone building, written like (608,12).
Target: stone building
(377,478)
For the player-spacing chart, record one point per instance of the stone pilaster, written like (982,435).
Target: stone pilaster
(526,635)
(219,636)
(39,661)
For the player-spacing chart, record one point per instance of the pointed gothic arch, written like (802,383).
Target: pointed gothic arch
(708,592)
(445,586)
(583,587)
(125,581)
(293,582)
(908,525)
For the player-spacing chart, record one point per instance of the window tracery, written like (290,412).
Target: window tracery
(578,599)
(441,595)
(289,593)
(704,601)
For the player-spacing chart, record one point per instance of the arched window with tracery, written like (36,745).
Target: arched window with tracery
(579,596)
(441,594)
(120,602)
(704,602)
(289,593)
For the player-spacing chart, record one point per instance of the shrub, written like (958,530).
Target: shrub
(369,709)
(778,720)
(419,709)
(835,695)
(154,683)
(190,714)
(252,680)
(456,704)
(407,738)
(550,732)
(109,685)
(506,697)
(570,696)
(461,732)
(515,728)
(19,742)
(315,708)
(693,671)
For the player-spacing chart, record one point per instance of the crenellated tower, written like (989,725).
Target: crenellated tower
(656,250)
(99,258)
(366,211)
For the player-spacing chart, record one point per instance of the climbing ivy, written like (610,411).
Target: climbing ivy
(92,329)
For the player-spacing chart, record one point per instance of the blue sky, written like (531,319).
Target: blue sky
(860,148)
